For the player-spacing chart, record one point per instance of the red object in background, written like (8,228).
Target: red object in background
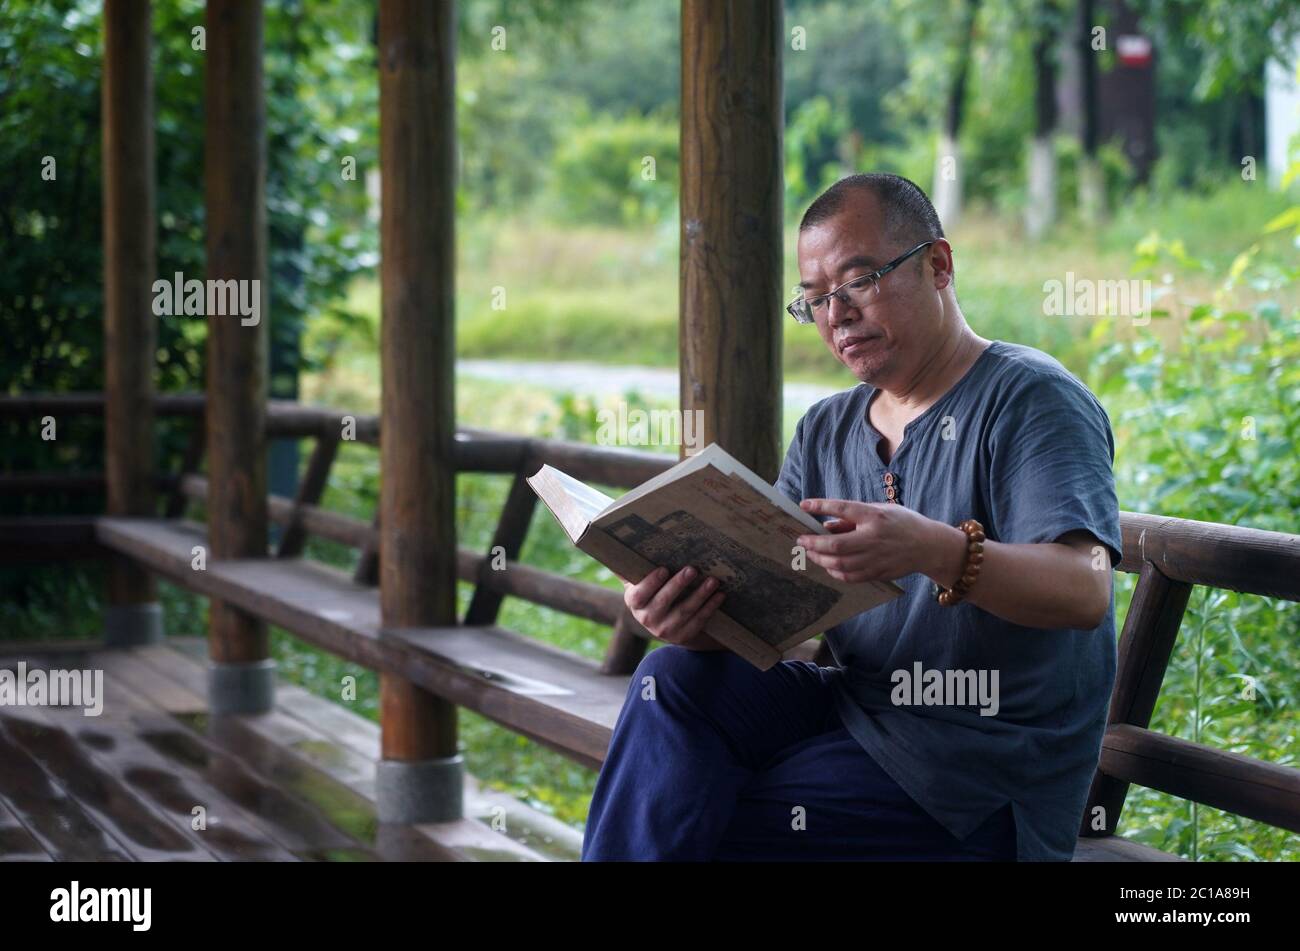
(1133,50)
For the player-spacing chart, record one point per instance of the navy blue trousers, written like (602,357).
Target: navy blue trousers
(714,760)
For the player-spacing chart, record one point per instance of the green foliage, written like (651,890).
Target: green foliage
(567,68)
(854,57)
(51,295)
(1116,172)
(47,605)
(49,230)
(616,56)
(507,126)
(1234,40)
(812,139)
(1218,417)
(1207,422)
(609,170)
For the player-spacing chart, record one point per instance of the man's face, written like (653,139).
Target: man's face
(888,338)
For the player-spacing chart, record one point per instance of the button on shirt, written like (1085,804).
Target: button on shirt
(1024,447)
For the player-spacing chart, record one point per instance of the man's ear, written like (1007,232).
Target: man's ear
(941,260)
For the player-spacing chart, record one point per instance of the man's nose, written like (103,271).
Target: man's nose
(838,312)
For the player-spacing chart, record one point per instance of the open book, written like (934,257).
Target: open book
(712,512)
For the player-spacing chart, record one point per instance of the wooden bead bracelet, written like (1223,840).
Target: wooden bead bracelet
(974,559)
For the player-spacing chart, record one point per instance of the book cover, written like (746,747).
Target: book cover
(712,512)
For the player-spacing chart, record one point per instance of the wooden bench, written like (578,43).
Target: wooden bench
(570,704)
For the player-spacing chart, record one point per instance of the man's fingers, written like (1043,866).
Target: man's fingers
(836,544)
(850,562)
(841,507)
(642,594)
(701,617)
(689,605)
(667,596)
(841,539)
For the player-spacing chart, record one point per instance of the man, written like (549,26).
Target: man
(878,757)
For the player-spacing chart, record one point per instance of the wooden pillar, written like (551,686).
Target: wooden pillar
(731,220)
(130,267)
(419,778)
(234,183)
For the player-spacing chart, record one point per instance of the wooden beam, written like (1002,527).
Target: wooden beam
(1155,614)
(1235,557)
(1241,785)
(234,180)
(367,570)
(511,530)
(129,271)
(310,490)
(190,463)
(417,549)
(731,226)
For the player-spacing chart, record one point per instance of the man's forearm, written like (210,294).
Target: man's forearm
(1047,585)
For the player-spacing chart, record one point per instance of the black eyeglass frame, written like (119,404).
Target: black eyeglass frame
(874,277)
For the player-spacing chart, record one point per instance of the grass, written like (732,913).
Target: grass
(529,291)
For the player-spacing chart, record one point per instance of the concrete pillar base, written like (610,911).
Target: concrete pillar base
(241,688)
(133,625)
(431,790)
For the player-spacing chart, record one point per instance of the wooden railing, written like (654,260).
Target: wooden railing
(477,451)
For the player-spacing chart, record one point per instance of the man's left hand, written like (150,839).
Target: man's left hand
(873,541)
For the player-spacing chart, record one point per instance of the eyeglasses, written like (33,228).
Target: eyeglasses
(855,293)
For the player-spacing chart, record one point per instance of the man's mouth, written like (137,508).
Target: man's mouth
(850,345)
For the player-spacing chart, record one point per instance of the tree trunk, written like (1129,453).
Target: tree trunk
(1040,212)
(1092,198)
(947,192)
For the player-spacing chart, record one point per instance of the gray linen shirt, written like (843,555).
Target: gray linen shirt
(1024,447)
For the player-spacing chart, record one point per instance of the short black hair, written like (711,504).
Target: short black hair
(909,215)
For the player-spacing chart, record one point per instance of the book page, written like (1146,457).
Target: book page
(574,504)
(714,455)
(702,458)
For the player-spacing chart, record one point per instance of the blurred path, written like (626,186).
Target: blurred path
(596,379)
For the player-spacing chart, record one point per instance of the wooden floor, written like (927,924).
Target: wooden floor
(296,784)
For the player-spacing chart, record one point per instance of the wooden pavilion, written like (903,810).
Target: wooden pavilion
(296,777)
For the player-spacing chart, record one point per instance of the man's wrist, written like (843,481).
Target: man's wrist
(949,555)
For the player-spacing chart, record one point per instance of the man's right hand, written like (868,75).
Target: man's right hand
(672,610)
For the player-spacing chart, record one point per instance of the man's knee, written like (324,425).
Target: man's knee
(683,669)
